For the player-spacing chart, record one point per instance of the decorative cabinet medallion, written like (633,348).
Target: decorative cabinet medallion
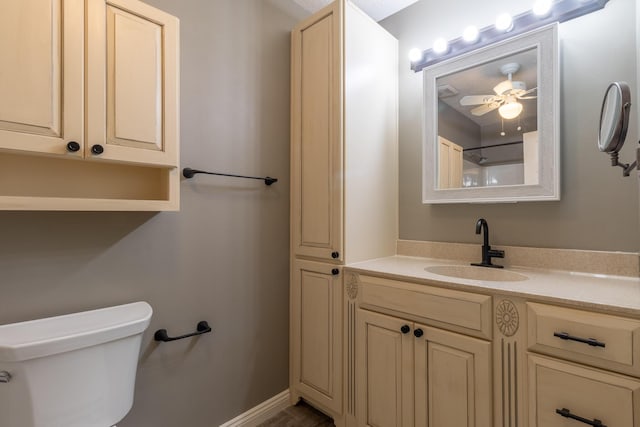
(352,285)
(507,318)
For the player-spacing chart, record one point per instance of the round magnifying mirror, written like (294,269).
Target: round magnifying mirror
(614,117)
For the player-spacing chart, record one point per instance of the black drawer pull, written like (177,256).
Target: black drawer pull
(591,341)
(567,414)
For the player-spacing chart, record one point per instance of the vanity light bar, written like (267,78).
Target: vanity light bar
(561,10)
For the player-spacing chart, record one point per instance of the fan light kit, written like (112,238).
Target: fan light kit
(510,110)
(544,12)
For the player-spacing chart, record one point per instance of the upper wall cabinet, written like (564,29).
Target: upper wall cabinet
(88,80)
(131,80)
(41,82)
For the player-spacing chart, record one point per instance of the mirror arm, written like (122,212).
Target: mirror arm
(627,168)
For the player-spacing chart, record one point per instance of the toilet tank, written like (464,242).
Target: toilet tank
(76,370)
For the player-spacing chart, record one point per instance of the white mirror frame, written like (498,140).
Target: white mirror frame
(545,39)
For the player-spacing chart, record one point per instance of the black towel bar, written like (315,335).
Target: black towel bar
(189,173)
(202,328)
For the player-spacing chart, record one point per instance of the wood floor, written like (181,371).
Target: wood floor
(301,415)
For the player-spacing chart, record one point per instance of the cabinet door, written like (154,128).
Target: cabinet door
(132,83)
(316,333)
(449,164)
(384,371)
(453,380)
(41,76)
(316,136)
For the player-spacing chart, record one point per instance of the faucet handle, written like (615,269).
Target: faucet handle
(496,253)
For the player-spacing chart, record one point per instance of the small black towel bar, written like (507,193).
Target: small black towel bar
(202,328)
(189,173)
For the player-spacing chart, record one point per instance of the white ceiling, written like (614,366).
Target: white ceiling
(377,9)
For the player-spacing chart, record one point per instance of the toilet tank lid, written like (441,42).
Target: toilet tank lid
(53,335)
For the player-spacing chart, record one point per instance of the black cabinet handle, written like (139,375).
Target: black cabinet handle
(97,149)
(73,146)
(162,335)
(335,271)
(567,414)
(418,333)
(591,341)
(405,329)
(335,255)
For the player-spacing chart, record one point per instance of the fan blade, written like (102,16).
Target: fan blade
(477,99)
(484,109)
(503,88)
(526,92)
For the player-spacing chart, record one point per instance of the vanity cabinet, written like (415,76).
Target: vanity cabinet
(421,356)
(344,179)
(581,378)
(410,374)
(90,91)
(561,391)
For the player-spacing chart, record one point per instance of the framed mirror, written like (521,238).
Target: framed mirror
(491,128)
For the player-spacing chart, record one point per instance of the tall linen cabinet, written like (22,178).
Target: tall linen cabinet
(344,187)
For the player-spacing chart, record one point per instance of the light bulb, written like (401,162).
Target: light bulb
(510,110)
(471,34)
(504,22)
(542,8)
(415,55)
(440,46)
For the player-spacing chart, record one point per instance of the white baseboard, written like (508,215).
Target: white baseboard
(260,413)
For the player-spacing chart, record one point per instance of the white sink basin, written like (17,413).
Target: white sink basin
(477,273)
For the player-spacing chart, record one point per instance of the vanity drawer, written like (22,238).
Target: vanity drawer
(577,391)
(455,310)
(596,339)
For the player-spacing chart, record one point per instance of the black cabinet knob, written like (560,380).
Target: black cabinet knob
(73,146)
(335,271)
(335,255)
(405,329)
(418,333)
(97,149)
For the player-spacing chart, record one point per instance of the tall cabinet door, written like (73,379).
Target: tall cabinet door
(132,81)
(453,380)
(41,76)
(316,136)
(316,333)
(384,371)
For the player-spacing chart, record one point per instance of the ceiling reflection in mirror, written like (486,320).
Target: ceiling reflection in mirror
(488,122)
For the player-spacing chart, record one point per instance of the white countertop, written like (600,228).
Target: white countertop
(595,291)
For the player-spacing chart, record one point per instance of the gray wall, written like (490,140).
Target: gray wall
(223,258)
(599,208)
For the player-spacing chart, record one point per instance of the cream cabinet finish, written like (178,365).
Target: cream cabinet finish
(132,81)
(344,181)
(41,93)
(588,389)
(343,137)
(96,73)
(619,336)
(449,164)
(316,336)
(410,374)
(590,394)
